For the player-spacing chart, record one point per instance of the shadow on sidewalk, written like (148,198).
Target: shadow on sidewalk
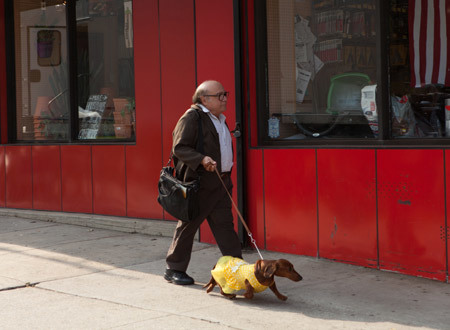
(34,251)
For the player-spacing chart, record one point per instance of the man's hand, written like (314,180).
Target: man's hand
(209,164)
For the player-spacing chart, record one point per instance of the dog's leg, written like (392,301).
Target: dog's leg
(274,289)
(228,295)
(210,285)
(249,293)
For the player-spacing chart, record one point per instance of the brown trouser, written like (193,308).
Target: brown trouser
(216,208)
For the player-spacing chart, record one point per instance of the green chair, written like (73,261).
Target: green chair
(344,94)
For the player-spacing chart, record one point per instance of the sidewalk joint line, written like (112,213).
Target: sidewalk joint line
(26,285)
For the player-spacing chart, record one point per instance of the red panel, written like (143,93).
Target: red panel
(347,206)
(142,184)
(3,84)
(144,160)
(254,194)
(46,178)
(147,76)
(76,168)
(19,192)
(215,59)
(445,231)
(2,177)
(215,46)
(411,212)
(176,16)
(290,201)
(251,79)
(253,158)
(108,174)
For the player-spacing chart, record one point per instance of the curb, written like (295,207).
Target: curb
(123,224)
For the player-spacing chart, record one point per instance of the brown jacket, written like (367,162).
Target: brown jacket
(186,158)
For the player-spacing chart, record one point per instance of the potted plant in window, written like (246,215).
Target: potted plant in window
(123,116)
(132,107)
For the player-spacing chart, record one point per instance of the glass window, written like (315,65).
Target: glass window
(320,70)
(419,75)
(105,69)
(101,104)
(42,95)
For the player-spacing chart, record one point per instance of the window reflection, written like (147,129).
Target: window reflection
(105,70)
(105,106)
(419,76)
(321,70)
(42,95)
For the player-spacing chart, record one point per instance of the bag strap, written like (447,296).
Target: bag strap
(199,147)
(199,134)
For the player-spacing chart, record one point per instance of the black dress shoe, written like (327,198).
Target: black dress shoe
(177,277)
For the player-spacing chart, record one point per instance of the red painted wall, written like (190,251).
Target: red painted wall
(76,179)
(108,178)
(177,66)
(46,164)
(411,211)
(2,178)
(3,112)
(375,207)
(254,196)
(347,206)
(371,207)
(143,161)
(445,230)
(215,60)
(19,181)
(290,197)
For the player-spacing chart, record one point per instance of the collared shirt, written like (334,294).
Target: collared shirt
(226,149)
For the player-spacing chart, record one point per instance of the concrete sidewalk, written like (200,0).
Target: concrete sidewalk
(63,276)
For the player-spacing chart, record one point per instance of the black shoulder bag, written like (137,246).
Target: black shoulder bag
(179,198)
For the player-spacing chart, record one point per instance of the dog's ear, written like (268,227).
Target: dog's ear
(269,269)
(258,265)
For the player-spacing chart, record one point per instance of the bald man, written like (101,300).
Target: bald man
(210,101)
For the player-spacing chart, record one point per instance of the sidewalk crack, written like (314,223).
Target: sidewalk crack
(26,285)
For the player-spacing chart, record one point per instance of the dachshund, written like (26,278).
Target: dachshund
(234,274)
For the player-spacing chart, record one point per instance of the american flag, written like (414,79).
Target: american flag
(429,45)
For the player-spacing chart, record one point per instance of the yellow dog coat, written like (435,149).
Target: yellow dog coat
(230,273)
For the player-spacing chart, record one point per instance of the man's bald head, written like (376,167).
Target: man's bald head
(204,88)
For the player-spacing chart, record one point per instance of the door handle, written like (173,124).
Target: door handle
(237,130)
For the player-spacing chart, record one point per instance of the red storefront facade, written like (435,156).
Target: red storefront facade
(373,204)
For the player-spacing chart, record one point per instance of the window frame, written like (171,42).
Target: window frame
(383,84)
(73,126)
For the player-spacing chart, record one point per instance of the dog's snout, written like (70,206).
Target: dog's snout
(296,277)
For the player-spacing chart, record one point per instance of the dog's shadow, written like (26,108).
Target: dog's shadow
(264,299)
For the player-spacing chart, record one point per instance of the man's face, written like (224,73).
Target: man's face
(215,102)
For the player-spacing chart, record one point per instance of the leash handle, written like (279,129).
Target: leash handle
(239,214)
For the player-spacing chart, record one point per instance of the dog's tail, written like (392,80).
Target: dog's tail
(210,285)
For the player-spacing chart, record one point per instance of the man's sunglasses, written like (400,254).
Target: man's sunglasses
(220,96)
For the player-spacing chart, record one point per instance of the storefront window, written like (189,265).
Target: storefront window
(42,95)
(319,67)
(320,71)
(419,60)
(103,48)
(105,69)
